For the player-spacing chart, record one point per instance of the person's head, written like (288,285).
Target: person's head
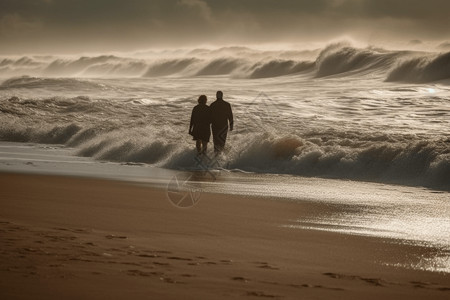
(202,99)
(219,95)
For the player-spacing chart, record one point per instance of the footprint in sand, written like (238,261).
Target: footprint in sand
(160,263)
(265,265)
(112,236)
(226,261)
(261,294)
(75,230)
(178,258)
(371,281)
(239,278)
(149,255)
(96,273)
(428,285)
(169,280)
(144,273)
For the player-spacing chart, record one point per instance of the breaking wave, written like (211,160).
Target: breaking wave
(422,69)
(103,131)
(220,66)
(241,62)
(424,162)
(276,68)
(169,67)
(37,82)
(338,59)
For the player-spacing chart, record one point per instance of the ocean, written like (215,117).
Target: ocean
(339,112)
(350,119)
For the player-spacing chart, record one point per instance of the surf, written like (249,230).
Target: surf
(339,59)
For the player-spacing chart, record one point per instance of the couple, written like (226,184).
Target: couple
(216,116)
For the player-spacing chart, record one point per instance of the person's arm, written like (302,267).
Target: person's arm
(191,125)
(230,117)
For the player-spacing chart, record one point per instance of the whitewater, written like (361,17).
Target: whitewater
(341,112)
(361,130)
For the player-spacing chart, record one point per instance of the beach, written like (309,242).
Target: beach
(83,238)
(200,149)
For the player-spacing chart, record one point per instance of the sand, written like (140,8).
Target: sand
(80,238)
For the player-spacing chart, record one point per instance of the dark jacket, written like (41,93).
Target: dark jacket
(199,127)
(221,114)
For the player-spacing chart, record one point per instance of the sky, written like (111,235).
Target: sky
(74,26)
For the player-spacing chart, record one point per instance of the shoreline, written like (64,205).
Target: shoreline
(58,159)
(94,238)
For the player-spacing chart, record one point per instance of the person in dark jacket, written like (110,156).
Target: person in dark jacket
(221,117)
(199,127)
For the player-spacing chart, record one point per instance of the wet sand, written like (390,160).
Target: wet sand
(80,238)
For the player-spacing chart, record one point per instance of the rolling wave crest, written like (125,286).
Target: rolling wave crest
(422,69)
(334,60)
(104,131)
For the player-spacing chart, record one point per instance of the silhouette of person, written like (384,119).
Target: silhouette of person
(199,127)
(221,116)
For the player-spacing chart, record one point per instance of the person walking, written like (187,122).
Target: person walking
(199,126)
(221,121)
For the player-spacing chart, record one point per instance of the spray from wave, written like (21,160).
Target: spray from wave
(422,69)
(135,132)
(339,59)
(115,121)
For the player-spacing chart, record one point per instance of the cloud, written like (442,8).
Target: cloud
(201,6)
(13,24)
(125,25)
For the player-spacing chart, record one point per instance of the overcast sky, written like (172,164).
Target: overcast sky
(71,26)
